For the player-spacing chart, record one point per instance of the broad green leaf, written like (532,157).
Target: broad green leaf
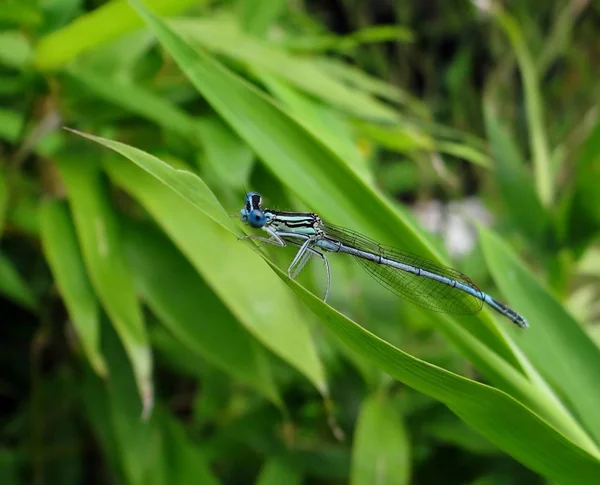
(61,248)
(556,344)
(544,176)
(513,181)
(501,419)
(14,286)
(96,28)
(222,35)
(278,471)
(254,295)
(100,242)
(179,296)
(380,450)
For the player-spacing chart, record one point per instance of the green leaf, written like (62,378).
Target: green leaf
(314,173)
(555,344)
(222,35)
(107,22)
(137,439)
(544,176)
(13,286)
(522,433)
(380,450)
(322,179)
(323,122)
(192,313)
(262,304)
(278,471)
(514,182)
(185,183)
(362,81)
(62,252)
(100,242)
(140,101)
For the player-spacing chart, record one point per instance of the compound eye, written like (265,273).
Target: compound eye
(257,218)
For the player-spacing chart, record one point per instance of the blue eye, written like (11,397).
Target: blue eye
(257,218)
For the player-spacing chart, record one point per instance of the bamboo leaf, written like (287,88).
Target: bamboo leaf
(62,251)
(184,303)
(556,345)
(98,234)
(262,304)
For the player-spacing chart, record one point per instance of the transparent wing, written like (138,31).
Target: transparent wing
(425,292)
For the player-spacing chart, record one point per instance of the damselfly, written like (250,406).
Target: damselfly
(418,280)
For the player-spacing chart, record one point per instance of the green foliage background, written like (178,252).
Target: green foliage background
(143,343)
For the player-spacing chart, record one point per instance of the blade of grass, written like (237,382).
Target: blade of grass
(188,235)
(139,101)
(497,416)
(513,181)
(191,312)
(544,175)
(316,175)
(222,35)
(556,345)
(60,245)
(308,168)
(254,296)
(98,234)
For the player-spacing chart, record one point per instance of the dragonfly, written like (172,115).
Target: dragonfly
(425,283)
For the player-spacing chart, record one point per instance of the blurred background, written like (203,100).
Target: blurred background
(459,113)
